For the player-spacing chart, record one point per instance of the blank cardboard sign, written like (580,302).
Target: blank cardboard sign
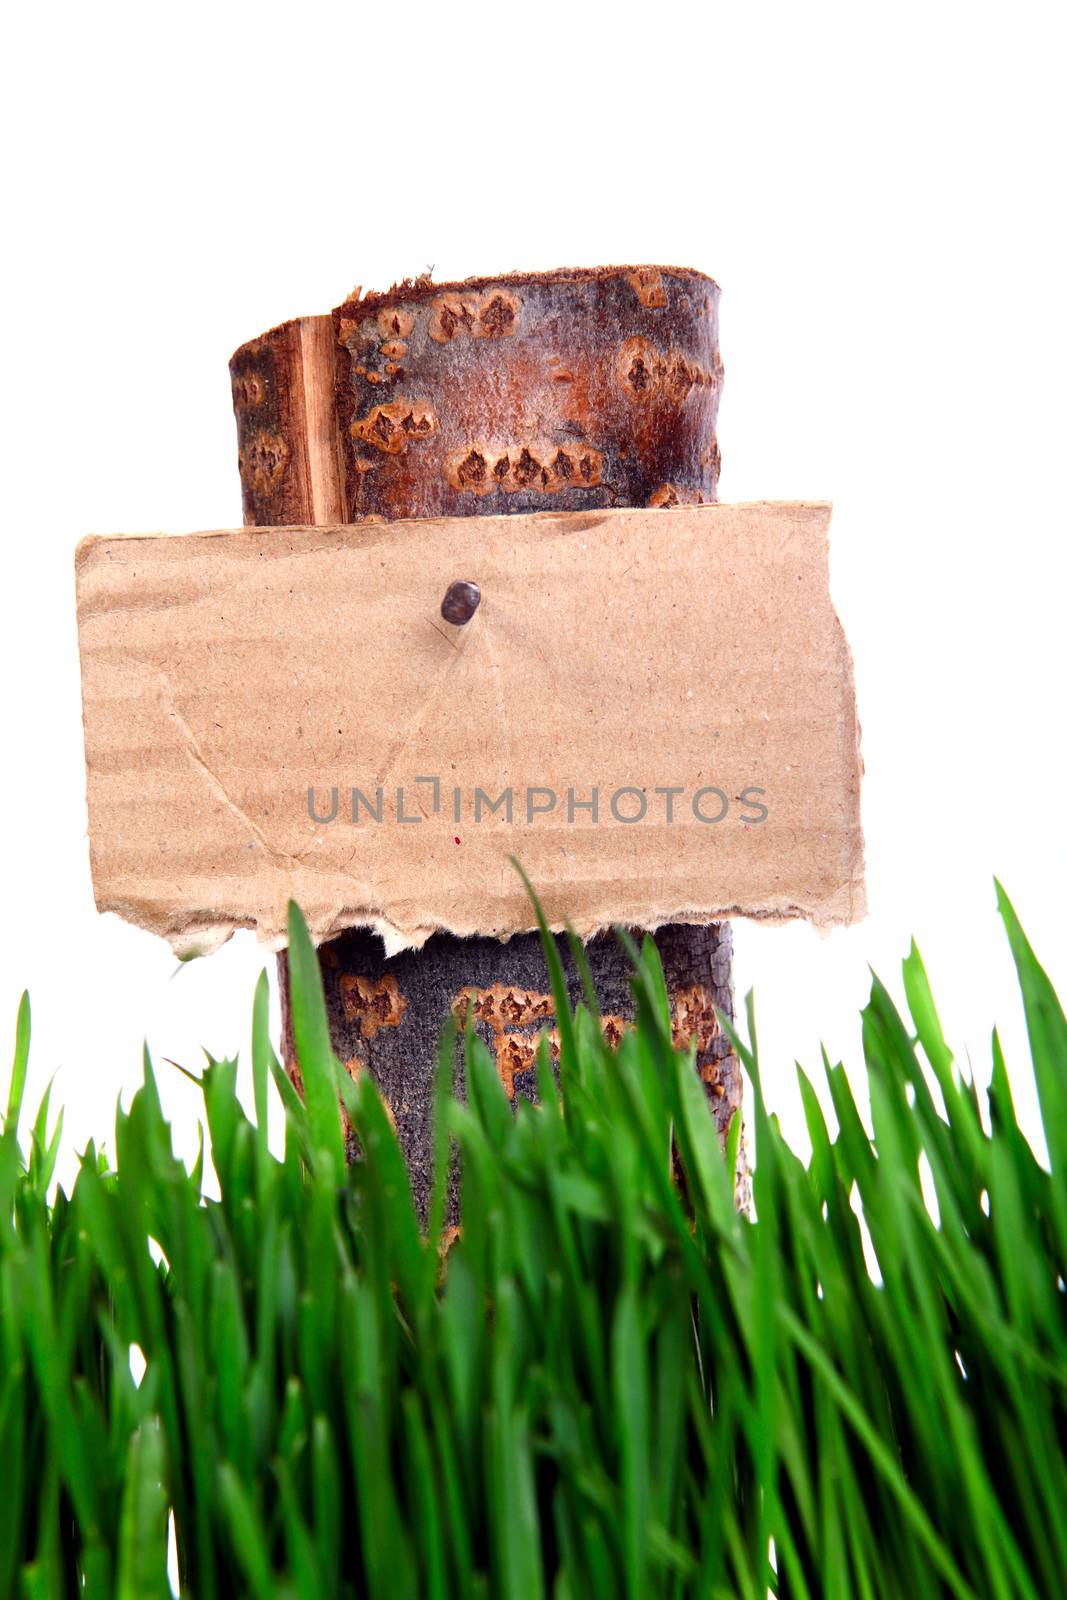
(652,710)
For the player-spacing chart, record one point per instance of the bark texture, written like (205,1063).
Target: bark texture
(386,1014)
(565,391)
(554,391)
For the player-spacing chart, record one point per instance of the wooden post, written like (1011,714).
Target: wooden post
(561,391)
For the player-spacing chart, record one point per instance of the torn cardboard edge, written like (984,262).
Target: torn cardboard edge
(190,939)
(226,674)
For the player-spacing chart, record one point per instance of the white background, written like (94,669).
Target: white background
(879,193)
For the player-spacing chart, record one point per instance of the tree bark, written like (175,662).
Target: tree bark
(555,391)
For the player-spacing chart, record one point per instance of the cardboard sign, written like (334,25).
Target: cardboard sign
(652,710)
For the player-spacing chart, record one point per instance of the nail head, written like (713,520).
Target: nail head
(460,601)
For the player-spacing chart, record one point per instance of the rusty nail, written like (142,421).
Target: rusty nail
(460,601)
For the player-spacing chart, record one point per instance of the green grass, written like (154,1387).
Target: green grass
(610,1385)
